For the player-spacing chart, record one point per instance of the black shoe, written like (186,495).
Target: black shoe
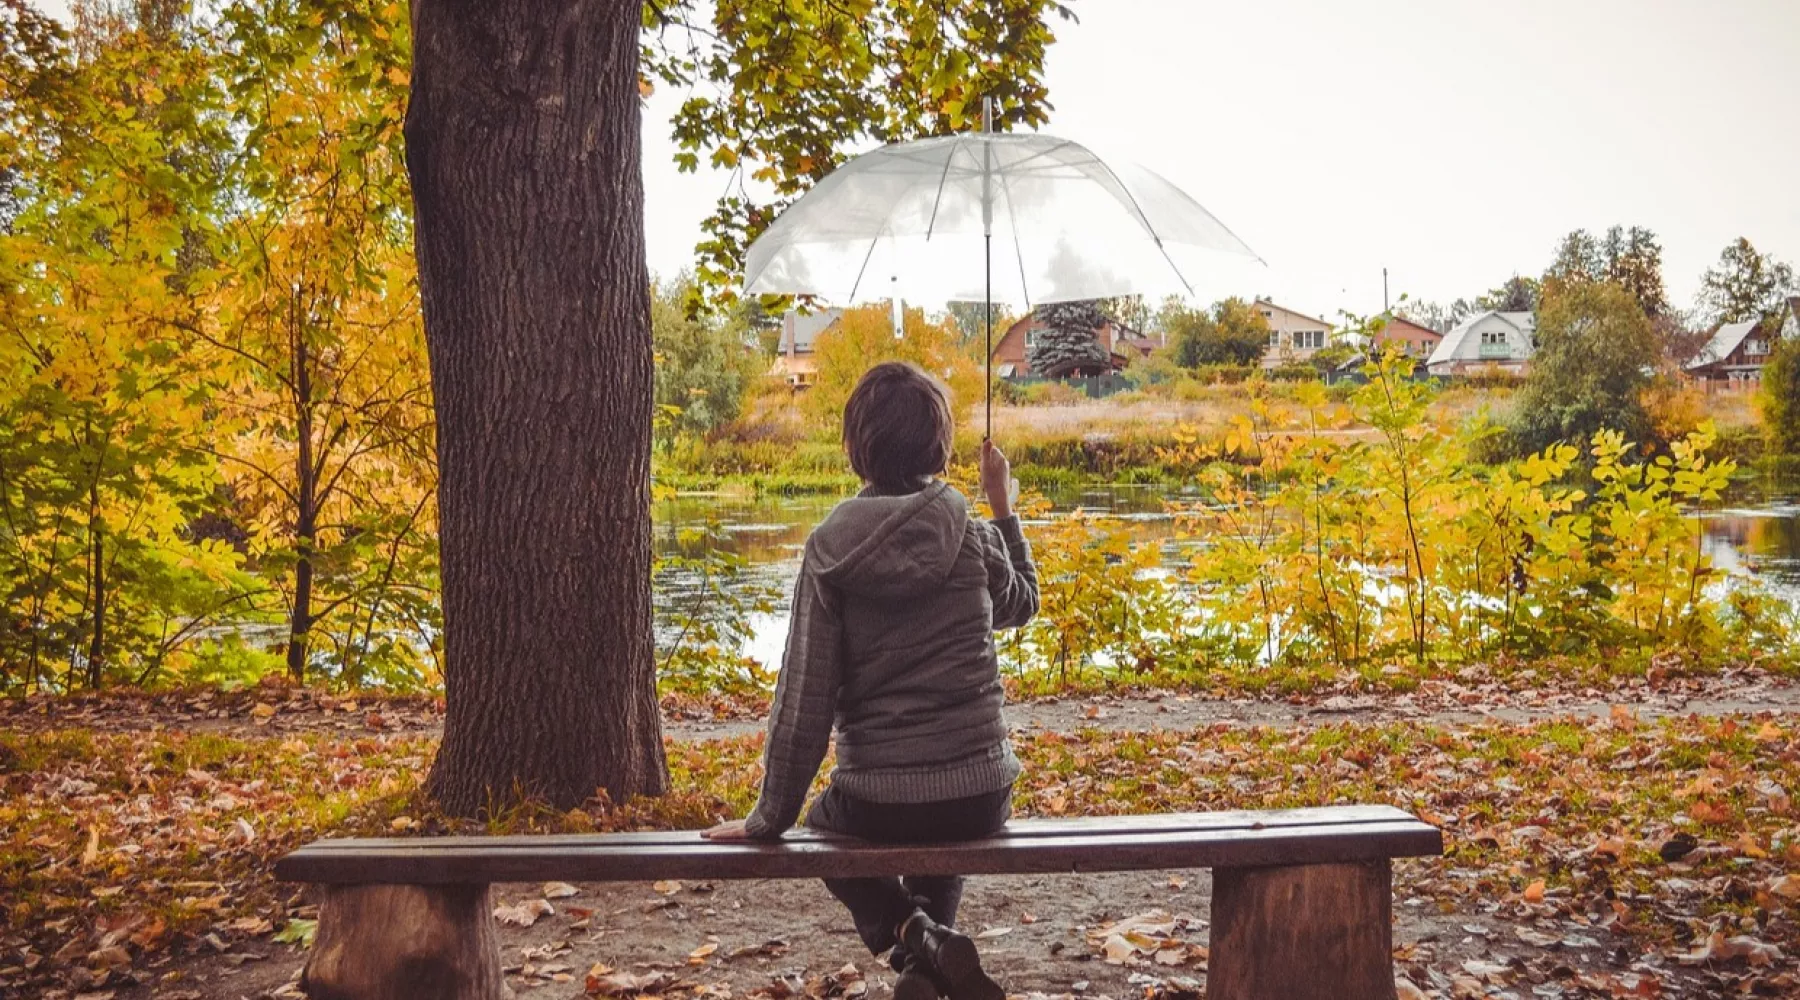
(915,982)
(951,957)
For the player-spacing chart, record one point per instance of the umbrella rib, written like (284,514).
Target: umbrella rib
(1145,221)
(1018,251)
(938,201)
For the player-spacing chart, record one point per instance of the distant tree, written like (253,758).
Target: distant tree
(1130,310)
(1634,261)
(1069,341)
(1515,294)
(1744,285)
(1232,332)
(865,337)
(1596,353)
(703,363)
(1437,316)
(1780,399)
(970,319)
(1630,258)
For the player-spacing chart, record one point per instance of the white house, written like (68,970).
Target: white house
(1489,340)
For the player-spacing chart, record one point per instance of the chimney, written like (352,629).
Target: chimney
(788,335)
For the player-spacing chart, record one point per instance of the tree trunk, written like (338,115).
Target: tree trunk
(306,516)
(398,942)
(522,144)
(1302,932)
(97,644)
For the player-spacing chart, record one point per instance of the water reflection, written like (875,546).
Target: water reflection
(1758,535)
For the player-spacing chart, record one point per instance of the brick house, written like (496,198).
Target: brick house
(1413,340)
(1014,346)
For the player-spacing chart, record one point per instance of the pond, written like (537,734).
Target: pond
(1755,533)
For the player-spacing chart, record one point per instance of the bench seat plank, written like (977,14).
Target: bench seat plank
(1020,849)
(1061,826)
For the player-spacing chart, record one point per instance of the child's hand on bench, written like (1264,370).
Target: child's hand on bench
(731,829)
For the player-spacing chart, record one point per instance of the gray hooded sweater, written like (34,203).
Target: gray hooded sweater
(892,640)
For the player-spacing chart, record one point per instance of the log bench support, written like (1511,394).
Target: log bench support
(404,942)
(1302,932)
(1301,904)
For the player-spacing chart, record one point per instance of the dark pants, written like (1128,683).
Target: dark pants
(879,905)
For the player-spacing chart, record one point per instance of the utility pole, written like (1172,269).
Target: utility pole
(1384,294)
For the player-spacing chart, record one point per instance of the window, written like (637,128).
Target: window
(1309,339)
(1267,314)
(1493,338)
(1756,348)
(1274,338)
(1031,336)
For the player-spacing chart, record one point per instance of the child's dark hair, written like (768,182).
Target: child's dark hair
(897,427)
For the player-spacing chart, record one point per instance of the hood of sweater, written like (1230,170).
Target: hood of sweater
(892,546)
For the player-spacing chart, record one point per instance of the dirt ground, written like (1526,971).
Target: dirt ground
(779,939)
(783,938)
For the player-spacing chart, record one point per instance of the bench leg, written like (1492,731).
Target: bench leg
(399,942)
(1302,932)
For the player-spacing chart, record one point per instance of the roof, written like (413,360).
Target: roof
(1395,319)
(1297,314)
(1727,338)
(1457,345)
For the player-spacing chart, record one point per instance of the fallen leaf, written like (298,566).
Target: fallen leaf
(668,887)
(559,890)
(1534,893)
(523,914)
(699,955)
(994,932)
(263,712)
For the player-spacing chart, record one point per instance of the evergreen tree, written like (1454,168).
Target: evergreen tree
(1068,341)
(1516,294)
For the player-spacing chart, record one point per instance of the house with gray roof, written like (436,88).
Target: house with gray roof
(1737,352)
(1489,341)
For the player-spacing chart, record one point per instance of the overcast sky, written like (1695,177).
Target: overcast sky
(1450,141)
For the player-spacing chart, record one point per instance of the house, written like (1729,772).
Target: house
(1014,346)
(795,362)
(1293,336)
(1489,341)
(1736,353)
(1411,339)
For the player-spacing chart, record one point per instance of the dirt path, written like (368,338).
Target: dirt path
(1440,705)
(279,711)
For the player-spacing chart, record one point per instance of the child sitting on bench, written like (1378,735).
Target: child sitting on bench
(892,638)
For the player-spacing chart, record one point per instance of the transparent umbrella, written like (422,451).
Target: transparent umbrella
(978,217)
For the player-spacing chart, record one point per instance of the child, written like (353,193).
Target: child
(899,594)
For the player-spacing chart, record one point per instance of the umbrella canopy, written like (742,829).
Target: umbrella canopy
(926,219)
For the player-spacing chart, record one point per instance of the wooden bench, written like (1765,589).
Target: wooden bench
(1301,898)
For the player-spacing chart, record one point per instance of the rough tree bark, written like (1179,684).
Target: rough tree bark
(522,144)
